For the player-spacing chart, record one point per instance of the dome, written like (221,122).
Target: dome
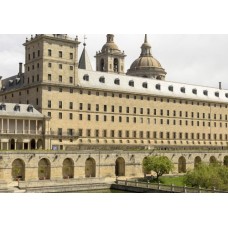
(145,62)
(110,45)
(146,65)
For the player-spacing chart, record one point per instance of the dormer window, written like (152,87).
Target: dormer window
(117,81)
(226,95)
(30,108)
(102,79)
(182,89)
(170,88)
(17,108)
(86,77)
(158,87)
(217,94)
(205,92)
(3,107)
(131,83)
(145,85)
(10,82)
(194,91)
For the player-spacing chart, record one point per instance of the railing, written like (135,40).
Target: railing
(165,188)
(31,132)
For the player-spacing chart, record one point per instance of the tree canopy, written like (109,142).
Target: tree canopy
(159,164)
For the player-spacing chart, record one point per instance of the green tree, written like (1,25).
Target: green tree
(159,164)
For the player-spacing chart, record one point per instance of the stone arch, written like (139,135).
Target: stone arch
(68,168)
(12,144)
(120,167)
(90,167)
(33,144)
(182,165)
(212,160)
(197,161)
(44,169)
(18,170)
(225,161)
(40,144)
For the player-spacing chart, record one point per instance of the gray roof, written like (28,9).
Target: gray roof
(147,86)
(84,62)
(12,82)
(23,112)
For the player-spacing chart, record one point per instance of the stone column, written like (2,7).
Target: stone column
(23,127)
(36,126)
(36,144)
(8,125)
(15,144)
(2,126)
(15,126)
(29,126)
(7,145)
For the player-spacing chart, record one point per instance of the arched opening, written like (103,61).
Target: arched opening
(40,144)
(102,65)
(212,160)
(18,170)
(120,167)
(33,144)
(116,65)
(68,168)
(90,168)
(225,161)
(44,169)
(197,161)
(12,144)
(181,165)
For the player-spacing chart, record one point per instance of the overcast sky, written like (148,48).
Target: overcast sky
(194,59)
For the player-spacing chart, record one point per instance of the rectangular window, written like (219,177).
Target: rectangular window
(155,112)
(80,106)
(80,116)
(88,117)
(104,133)
(148,134)
(154,134)
(97,118)
(127,109)
(120,119)
(71,55)
(49,104)
(141,134)
(60,115)
(71,80)
(49,77)
(60,104)
(80,132)
(127,134)
(60,131)
(105,118)
(105,108)
(120,134)
(134,134)
(71,116)
(120,109)
(49,65)
(112,133)
(112,119)
(60,66)
(49,114)
(60,78)
(96,133)
(49,52)
(71,105)
(60,54)
(113,108)
(148,111)
(141,111)
(88,132)
(134,110)
(89,107)
(97,107)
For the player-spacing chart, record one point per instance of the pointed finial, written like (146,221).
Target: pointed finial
(145,41)
(85,38)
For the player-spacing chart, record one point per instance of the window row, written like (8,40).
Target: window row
(60,54)
(71,79)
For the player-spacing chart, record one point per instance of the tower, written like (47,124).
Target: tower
(110,58)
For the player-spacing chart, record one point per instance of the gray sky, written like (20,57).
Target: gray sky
(193,59)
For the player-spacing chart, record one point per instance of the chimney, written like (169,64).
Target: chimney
(220,85)
(20,69)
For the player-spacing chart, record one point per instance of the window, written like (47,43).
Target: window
(88,117)
(80,116)
(60,115)
(17,108)
(158,86)
(60,54)
(205,92)
(105,108)
(117,81)
(86,77)
(148,111)
(105,118)
(217,94)
(89,107)
(71,67)
(97,133)
(102,79)
(60,90)
(49,77)
(170,88)
(182,89)
(80,106)
(120,119)
(60,131)
(71,105)
(88,132)
(49,104)
(60,66)
(38,53)
(49,114)
(71,55)
(49,65)
(80,132)
(120,109)
(97,118)
(97,107)
(131,83)
(135,110)
(60,78)
(71,90)
(113,119)
(60,104)
(194,91)
(49,52)
(71,80)
(145,85)
(71,116)
(127,109)
(113,108)
(112,133)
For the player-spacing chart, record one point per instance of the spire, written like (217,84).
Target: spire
(146,48)
(84,62)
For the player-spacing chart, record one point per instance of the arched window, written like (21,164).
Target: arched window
(102,68)
(18,169)
(217,94)
(145,85)
(158,86)
(170,88)
(120,167)
(226,95)
(3,107)
(17,108)
(116,65)
(30,108)
(68,168)
(131,83)
(44,169)
(102,79)
(181,165)
(90,167)
(86,77)
(117,81)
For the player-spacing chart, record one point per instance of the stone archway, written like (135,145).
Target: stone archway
(212,160)
(90,168)
(120,167)
(225,161)
(68,168)
(12,144)
(197,161)
(44,169)
(33,144)
(18,170)
(182,165)
(40,144)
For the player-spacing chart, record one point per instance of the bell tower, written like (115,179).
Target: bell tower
(110,58)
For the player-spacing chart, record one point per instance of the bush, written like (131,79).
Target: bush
(208,176)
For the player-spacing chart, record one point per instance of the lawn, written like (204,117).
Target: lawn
(177,181)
